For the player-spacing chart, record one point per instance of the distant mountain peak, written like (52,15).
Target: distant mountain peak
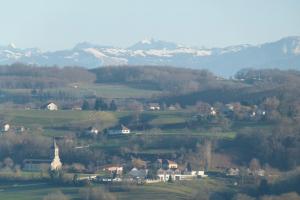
(12,46)
(86,45)
(147,44)
(147,41)
(283,54)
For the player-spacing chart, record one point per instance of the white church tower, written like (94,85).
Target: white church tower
(56,163)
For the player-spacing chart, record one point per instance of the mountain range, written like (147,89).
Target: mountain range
(282,54)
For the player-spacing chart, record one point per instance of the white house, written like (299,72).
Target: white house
(6,127)
(93,131)
(154,106)
(138,173)
(213,112)
(52,106)
(233,172)
(177,175)
(123,130)
(118,169)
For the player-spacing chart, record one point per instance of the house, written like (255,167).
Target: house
(169,164)
(233,172)
(213,111)
(76,108)
(257,172)
(44,164)
(118,169)
(177,175)
(6,127)
(172,108)
(51,106)
(153,106)
(138,173)
(122,130)
(166,164)
(93,131)
(36,165)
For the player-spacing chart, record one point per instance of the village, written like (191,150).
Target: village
(154,171)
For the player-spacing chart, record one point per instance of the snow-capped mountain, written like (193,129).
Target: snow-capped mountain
(284,54)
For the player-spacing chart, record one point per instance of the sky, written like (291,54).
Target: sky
(61,24)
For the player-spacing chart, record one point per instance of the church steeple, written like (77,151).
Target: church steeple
(56,163)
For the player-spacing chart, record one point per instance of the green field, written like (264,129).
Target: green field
(158,191)
(52,123)
(101,90)
(57,123)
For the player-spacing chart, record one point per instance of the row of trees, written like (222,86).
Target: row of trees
(99,105)
(29,76)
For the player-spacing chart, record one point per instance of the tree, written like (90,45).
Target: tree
(56,196)
(85,105)
(96,193)
(254,165)
(263,187)
(152,173)
(100,104)
(75,179)
(189,167)
(8,162)
(113,106)
(170,180)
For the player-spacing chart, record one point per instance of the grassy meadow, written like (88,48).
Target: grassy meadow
(158,191)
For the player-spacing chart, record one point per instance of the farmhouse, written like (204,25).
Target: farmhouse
(5,127)
(177,175)
(118,169)
(44,164)
(233,172)
(93,131)
(138,173)
(166,164)
(153,106)
(213,111)
(51,106)
(119,131)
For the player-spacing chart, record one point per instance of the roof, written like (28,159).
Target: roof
(111,165)
(37,161)
(48,103)
(154,104)
(170,162)
(124,127)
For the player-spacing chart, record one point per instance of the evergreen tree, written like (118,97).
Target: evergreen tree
(189,167)
(170,180)
(85,105)
(113,106)
(264,187)
(98,104)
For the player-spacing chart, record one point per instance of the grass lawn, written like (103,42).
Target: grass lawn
(158,191)
(101,90)
(106,91)
(52,119)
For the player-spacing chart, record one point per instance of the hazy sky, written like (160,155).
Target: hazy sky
(58,24)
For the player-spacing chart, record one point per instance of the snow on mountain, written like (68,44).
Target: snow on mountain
(106,60)
(147,44)
(12,46)
(284,54)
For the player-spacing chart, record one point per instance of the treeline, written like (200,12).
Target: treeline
(250,87)
(169,79)
(34,77)
(278,147)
